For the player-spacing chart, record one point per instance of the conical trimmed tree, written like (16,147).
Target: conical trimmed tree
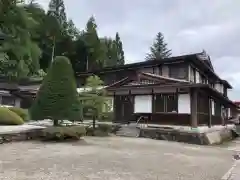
(57,98)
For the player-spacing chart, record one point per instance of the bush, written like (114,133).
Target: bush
(115,128)
(23,113)
(107,116)
(57,97)
(105,127)
(89,131)
(100,133)
(8,117)
(59,133)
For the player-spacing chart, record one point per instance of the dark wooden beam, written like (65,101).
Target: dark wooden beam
(194,115)
(210,111)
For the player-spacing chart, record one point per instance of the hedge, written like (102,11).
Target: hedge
(23,113)
(60,133)
(8,117)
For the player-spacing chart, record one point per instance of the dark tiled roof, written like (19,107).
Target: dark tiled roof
(142,79)
(194,58)
(140,64)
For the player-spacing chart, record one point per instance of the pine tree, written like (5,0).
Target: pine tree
(110,50)
(120,52)
(92,41)
(57,10)
(57,98)
(58,21)
(95,98)
(159,49)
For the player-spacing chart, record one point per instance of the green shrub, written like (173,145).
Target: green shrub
(107,116)
(23,113)
(105,127)
(100,133)
(8,117)
(115,128)
(89,131)
(58,133)
(57,97)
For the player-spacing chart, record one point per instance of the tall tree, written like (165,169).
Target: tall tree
(110,51)
(79,55)
(36,36)
(72,31)
(92,41)
(58,17)
(159,49)
(19,25)
(57,10)
(57,97)
(120,52)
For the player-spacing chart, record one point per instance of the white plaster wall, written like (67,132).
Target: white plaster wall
(108,106)
(213,107)
(219,87)
(143,104)
(197,77)
(17,102)
(165,71)
(184,103)
(157,70)
(228,112)
(191,74)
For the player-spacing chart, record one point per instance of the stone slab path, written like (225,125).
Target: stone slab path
(17,129)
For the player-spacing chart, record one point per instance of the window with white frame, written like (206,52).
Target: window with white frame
(8,100)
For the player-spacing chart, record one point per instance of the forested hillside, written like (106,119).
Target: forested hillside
(33,37)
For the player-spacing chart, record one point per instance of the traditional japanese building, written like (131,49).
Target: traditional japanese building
(182,90)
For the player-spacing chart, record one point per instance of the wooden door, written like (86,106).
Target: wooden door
(123,108)
(127,108)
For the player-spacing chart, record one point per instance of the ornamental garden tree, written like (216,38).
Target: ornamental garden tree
(94,98)
(57,98)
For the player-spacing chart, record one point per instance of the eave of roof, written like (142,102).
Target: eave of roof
(179,85)
(175,59)
(203,64)
(164,78)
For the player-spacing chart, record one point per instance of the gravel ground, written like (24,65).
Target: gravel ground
(113,158)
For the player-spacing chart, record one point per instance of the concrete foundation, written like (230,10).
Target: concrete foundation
(200,135)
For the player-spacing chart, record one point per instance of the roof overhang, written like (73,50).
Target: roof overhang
(178,85)
(152,63)
(155,79)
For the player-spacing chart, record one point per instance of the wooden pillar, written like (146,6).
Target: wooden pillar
(224,116)
(210,112)
(114,108)
(194,114)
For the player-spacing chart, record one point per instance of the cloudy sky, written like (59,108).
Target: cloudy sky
(188,26)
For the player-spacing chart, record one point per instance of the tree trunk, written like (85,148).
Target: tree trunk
(55,122)
(94,122)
